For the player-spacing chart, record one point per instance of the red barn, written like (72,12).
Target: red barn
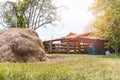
(78,44)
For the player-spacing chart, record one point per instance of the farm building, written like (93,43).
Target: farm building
(78,44)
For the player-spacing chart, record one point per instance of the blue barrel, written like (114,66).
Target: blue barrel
(92,49)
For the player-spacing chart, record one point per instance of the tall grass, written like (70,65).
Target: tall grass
(81,67)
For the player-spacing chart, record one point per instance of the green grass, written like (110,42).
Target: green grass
(80,67)
(112,56)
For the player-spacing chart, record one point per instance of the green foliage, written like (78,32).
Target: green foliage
(9,20)
(14,14)
(80,67)
(107,23)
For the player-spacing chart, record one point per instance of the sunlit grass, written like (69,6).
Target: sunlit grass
(80,67)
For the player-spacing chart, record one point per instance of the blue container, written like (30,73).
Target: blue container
(92,49)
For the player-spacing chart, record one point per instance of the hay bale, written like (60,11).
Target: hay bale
(21,45)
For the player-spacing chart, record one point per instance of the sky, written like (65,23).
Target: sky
(73,19)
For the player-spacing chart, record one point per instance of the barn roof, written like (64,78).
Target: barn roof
(78,36)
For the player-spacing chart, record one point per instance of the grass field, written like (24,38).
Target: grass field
(64,67)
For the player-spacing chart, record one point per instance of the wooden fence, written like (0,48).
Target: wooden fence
(66,46)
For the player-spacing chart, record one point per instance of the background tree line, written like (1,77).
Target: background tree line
(28,13)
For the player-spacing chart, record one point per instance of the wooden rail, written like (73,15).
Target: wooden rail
(64,47)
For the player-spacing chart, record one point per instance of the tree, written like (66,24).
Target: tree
(107,23)
(29,13)
(12,15)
